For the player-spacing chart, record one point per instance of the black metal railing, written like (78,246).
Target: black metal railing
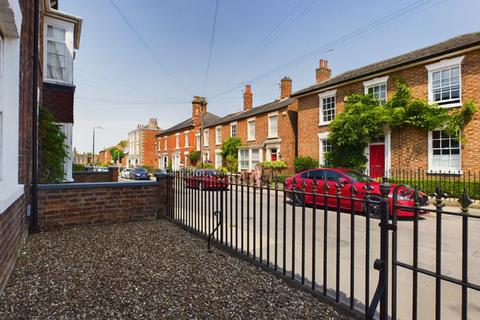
(320,234)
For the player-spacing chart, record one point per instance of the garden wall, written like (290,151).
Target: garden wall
(91,176)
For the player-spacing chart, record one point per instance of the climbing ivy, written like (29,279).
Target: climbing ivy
(365,118)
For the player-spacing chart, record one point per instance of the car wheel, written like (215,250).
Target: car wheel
(373,207)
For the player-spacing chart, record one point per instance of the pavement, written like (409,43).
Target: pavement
(203,203)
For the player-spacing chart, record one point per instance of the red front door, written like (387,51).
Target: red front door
(377,160)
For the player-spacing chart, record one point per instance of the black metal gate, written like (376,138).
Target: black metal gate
(326,235)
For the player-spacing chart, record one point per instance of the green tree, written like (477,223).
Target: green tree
(230,153)
(52,148)
(122,143)
(116,154)
(194,156)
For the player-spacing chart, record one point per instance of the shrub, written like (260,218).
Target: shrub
(230,153)
(205,165)
(52,148)
(305,163)
(194,156)
(78,167)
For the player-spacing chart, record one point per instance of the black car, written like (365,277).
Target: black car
(139,174)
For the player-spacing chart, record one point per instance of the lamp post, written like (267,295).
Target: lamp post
(93,146)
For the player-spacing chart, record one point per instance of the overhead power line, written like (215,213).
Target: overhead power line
(149,49)
(358,33)
(212,37)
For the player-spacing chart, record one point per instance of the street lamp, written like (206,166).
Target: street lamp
(93,146)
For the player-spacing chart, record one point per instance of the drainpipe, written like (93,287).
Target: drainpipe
(34,205)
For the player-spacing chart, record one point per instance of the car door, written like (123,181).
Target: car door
(317,176)
(332,177)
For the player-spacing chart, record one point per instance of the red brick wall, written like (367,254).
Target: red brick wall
(88,176)
(409,147)
(58,99)
(65,205)
(171,145)
(148,148)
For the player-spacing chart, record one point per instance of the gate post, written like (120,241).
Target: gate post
(381,293)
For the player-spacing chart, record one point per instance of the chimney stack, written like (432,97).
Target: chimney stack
(285,87)
(247,98)
(323,72)
(197,104)
(152,123)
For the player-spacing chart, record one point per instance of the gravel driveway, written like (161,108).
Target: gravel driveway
(143,270)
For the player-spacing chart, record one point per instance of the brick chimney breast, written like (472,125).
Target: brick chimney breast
(247,98)
(285,87)
(323,73)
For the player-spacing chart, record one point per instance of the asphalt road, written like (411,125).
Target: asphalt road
(195,206)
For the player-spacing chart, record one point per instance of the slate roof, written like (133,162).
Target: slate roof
(268,107)
(208,118)
(448,46)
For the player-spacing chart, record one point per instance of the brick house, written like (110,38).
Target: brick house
(447,73)
(174,144)
(141,144)
(16,103)
(267,132)
(59,38)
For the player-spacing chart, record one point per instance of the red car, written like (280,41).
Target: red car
(333,175)
(206,179)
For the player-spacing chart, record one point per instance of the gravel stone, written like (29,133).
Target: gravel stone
(145,270)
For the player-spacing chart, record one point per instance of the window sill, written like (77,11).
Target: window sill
(323,124)
(250,140)
(448,105)
(8,195)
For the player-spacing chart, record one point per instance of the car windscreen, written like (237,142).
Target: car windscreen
(140,170)
(358,177)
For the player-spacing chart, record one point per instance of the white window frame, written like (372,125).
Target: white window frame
(197,141)
(206,137)
(218,153)
(186,138)
(433,169)
(234,124)
(377,82)
(177,141)
(218,135)
(272,115)
(165,144)
(10,189)
(321,156)
(441,65)
(68,27)
(249,136)
(321,97)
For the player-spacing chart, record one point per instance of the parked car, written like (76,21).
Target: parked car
(139,174)
(332,176)
(125,173)
(204,179)
(102,169)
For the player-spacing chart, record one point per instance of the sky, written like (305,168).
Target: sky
(150,57)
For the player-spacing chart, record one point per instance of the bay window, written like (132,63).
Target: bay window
(58,62)
(243,159)
(249,158)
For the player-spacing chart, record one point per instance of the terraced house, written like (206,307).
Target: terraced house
(267,132)
(447,74)
(174,144)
